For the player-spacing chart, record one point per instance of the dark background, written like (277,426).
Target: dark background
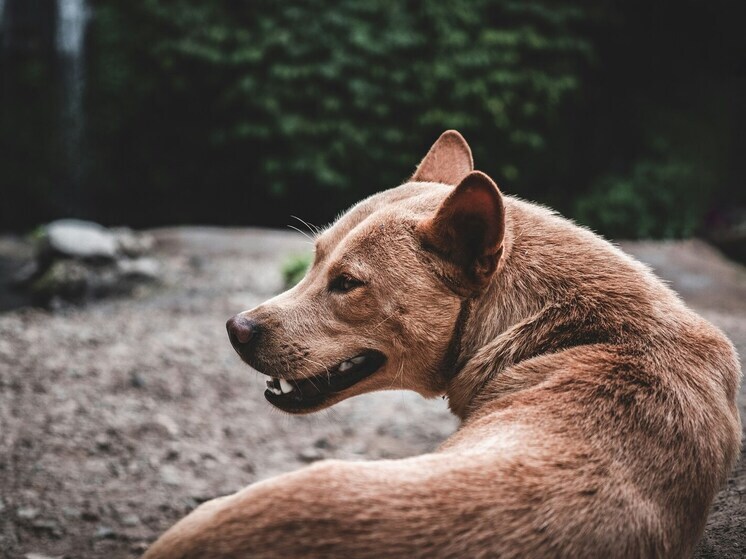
(628,116)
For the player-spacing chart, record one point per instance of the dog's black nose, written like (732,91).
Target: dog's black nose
(241,331)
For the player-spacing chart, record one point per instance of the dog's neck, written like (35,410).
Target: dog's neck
(481,320)
(548,266)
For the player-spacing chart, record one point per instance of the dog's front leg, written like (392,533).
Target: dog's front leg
(254,522)
(330,509)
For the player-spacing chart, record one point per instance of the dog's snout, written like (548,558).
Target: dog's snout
(242,331)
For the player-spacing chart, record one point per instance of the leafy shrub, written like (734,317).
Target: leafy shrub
(294,268)
(245,113)
(316,102)
(657,199)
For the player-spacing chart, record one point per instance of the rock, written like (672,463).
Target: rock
(42,556)
(51,526)
(310,455)
(130,520)
(321,443)
(139,547)
(71,512)
(79,260)
(140,268)
(80,239)
(105,533)
(103,443)
(27,513)
(89,516)
(171,455)
(167,423)
(171,476)
(64,278)
(136,380)
(25,273)
(133,244)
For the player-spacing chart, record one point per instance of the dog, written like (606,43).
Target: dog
(598,412)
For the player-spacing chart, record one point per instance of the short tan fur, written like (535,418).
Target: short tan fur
(598,412)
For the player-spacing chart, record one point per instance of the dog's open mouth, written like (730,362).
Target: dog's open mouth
(301,394)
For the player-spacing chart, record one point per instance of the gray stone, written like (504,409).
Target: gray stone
(171,476)
(130,520)
(139,547)
(137,380)
(310,455)
(27,513)
(80,239)
(140,268)
(46,525)
(133,244)
(105,533)
(65,278)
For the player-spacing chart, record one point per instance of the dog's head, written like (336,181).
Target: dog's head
(379,307)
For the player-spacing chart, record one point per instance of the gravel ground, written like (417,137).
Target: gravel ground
(118,418)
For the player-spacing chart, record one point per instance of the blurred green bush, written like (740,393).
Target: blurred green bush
(339,100)
(294,268)
(248,112)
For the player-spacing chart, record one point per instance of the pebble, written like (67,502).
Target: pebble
(137,380)
(310,455)
(139,547)
(130,520)
(143,268)
(27,513)
(103,443)
(89,516)
(170,475)
(51,526)
(321,443)
(105,533)
(71,512)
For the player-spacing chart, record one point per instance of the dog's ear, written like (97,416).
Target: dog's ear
(448,161)
(467,232)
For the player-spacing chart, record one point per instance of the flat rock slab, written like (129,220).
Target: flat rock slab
(119,417)
(81,239)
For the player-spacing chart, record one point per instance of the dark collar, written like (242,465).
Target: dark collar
(451,363)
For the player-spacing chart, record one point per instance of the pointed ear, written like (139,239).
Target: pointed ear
(467,233)
(448,161)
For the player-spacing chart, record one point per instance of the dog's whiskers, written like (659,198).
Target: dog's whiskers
(313,229)
(311,240)
(377,326)
(399,375)
(328,374)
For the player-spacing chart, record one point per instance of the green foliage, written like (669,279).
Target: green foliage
(336,98)
(294,268)
(238,112)
(657,199)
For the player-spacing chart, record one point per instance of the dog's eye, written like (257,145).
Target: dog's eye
(344,283)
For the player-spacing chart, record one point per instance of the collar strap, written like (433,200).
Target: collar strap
(450,366)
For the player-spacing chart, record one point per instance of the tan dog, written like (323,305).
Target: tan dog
(599,412)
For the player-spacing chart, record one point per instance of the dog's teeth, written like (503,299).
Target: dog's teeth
(344,366)
(275,391)
(285,386)
(357,360)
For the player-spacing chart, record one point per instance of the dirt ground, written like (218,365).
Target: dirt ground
(118,418)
